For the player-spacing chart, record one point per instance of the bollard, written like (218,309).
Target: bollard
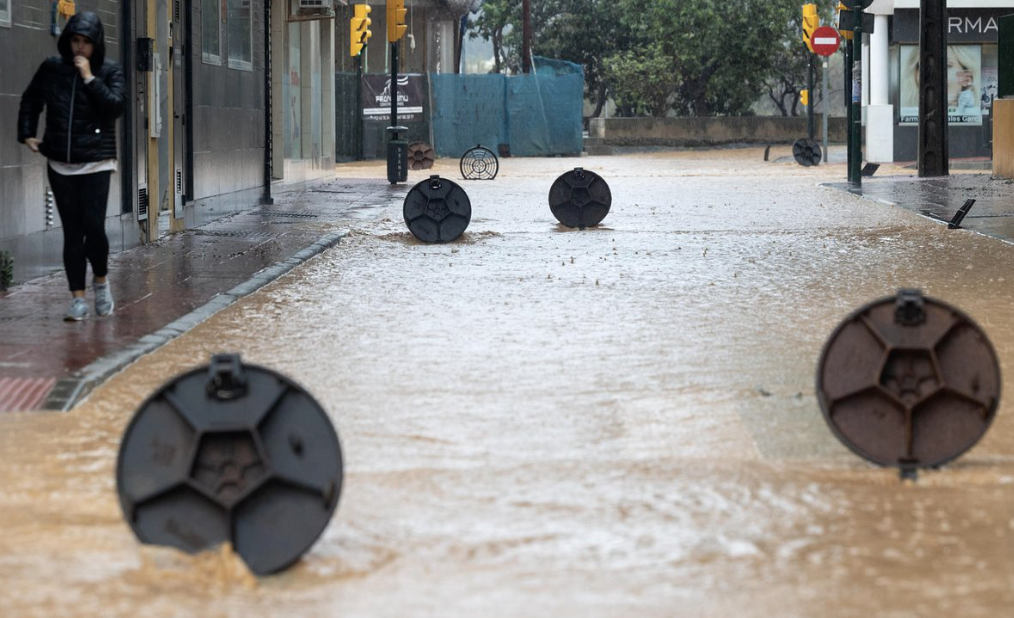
(580,199)
(908,381)
(231,452)
(437,210)
(806,152)
(479,163)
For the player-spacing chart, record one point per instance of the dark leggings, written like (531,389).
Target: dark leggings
(81,201)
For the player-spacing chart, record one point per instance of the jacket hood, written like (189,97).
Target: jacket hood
(86,24)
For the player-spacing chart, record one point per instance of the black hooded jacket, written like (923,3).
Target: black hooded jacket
(80,118)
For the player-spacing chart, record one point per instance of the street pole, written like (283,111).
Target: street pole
(359,104)
(933,149)
(394,84)
(824,98)
(856,156)
(848,106)
(813,98)
(526,37)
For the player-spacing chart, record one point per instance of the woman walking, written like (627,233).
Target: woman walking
(83,95)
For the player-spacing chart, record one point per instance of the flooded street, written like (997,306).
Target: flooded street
(538,421)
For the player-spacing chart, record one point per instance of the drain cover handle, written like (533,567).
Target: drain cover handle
(226,379)
(909,308)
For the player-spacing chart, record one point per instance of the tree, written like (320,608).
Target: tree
(642,81)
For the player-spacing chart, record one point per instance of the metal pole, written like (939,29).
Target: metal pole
(933,150)
(359,104)
(856,178)
(266,198)
(813,99)
(526,37)
(848,107)
(826,100)
(394,84)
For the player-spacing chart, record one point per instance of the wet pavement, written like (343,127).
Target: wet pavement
(51,364)
(540,421)
(939,199)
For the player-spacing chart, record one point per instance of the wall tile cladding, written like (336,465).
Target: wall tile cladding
(228,114)
(23,47)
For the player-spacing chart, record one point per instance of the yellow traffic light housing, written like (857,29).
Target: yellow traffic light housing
(845,34)
(811,21)
(804,97)
(360,34)
(396,13)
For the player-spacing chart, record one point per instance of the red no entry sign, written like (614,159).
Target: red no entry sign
(825,41)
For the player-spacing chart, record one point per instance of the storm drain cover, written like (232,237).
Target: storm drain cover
(908,381)
(806,152)
(231,452)
(580,198)
(437,210)
(479,163)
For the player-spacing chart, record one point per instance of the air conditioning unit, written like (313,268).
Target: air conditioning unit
(303,10)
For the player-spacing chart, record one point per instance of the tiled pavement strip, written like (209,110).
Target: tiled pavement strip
(940,198)
(165,288)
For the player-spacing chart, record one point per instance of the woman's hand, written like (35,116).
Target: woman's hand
(33,144)
(84,66)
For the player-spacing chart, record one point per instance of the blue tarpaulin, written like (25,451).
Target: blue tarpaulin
(538,114)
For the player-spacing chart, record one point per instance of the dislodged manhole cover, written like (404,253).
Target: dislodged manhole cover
(437,210)
(580,198)
(231,452)
(908,381)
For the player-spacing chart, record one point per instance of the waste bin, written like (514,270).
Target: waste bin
(397,155)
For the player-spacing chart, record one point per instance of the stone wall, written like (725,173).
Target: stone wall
(709,131)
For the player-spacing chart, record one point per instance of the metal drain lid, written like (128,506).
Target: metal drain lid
(580,198)
(231,452)
(437,210)
(908,381)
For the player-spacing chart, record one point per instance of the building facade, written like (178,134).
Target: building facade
(891,96)
(208,127)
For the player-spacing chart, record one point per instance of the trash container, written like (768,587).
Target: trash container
(397,155)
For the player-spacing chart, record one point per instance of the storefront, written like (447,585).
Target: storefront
(971,80)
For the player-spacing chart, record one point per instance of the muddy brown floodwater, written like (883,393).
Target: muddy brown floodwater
(545,422)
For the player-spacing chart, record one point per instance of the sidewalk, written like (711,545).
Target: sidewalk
(165,288)
(939,198)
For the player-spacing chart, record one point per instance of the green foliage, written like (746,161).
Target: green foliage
(642,81)
(694,57)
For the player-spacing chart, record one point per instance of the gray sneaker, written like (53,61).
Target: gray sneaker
(103,298)
(78,310)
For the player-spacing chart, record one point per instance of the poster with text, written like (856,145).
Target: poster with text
(964,84)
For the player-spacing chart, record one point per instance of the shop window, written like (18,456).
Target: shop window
(211,31)
(5,13)
(968,84)
(240,34)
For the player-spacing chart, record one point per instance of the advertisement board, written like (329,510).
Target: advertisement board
(966,89)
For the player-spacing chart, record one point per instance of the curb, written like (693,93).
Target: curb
(70,391)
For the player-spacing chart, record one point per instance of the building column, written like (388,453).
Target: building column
(879,113)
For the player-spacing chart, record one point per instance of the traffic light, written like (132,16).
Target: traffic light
(841,10)
(804,97)
(811,21)
(396,27)
(360,29)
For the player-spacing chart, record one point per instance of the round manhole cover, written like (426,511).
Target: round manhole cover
(908,381)
(806,152)
(580,198)
(437,210)
(231,452)
(479,163)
